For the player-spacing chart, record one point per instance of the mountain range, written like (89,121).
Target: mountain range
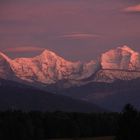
(48,68)
(103,81)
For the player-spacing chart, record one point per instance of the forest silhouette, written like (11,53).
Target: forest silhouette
(44,125)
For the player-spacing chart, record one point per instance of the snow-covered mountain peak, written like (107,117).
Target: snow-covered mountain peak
(3,56)
(121,58)
(50,68)
(48,52)
(5,67)
(50,57)
(126,49)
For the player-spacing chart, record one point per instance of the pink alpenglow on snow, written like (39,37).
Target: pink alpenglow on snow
(49,68)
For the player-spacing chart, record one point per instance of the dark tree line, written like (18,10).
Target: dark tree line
(18,125)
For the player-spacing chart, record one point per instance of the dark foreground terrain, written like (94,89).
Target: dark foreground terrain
(37,125)
(93,138)
(19,125)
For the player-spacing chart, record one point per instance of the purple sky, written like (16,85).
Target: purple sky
(75,29)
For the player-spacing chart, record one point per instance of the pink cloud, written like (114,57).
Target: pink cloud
(135,8)
(80,36)
(23,49)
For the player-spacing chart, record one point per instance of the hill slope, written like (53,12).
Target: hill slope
(112,96)
(18,96)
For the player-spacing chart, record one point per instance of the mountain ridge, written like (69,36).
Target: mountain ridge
(49,68)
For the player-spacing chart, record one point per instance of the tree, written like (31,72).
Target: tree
(128,124)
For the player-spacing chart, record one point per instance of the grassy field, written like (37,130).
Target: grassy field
(97,138)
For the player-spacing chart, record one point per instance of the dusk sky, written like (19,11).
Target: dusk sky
(74,29)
